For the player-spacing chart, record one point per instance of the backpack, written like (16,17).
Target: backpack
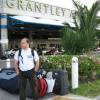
(19,54)
(43,87)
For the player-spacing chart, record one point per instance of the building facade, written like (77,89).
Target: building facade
(38,20)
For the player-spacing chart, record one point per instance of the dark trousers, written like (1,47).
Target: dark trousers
(23,83)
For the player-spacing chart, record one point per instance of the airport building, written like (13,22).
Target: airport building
(38,20)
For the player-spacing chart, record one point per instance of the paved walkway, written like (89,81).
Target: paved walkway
(7,96)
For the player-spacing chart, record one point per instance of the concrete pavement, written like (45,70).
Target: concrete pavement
(7,96)
(4,95)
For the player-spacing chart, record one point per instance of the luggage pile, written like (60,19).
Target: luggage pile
(55,82)
(43,82)
(52,82)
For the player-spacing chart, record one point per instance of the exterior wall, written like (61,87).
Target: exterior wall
(37,9)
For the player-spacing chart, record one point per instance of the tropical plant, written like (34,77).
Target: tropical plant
(83,35)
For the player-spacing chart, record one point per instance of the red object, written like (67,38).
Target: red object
(42,87)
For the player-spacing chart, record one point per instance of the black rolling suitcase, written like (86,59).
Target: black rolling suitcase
(61,82)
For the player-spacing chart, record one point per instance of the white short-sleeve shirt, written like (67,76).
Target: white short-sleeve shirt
(26,60)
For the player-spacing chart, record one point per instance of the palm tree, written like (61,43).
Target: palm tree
(83,36)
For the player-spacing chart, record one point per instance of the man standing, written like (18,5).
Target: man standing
(26,64)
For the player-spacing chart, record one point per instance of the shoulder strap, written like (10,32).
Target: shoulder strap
(32,51)
(19,54)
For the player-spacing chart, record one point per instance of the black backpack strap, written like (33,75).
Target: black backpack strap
(32,51)
(19,54)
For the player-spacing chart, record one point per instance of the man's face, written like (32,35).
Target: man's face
(24,44)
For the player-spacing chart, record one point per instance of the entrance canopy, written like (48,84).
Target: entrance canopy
(40,21)
(31,23)
(27,19)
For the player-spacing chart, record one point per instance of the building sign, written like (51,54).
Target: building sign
(35,9)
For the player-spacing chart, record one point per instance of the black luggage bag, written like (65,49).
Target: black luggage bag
(9,81)
(61,82)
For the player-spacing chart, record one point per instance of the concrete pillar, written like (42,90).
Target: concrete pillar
(75,73)
(4,33)
(31,39)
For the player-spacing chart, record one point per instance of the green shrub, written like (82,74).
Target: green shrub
(86,64)
(57,62)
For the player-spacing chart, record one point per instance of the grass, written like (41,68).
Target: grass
(90,89)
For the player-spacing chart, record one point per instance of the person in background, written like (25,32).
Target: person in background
(26,64)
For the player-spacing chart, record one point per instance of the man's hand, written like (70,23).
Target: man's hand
(35,69)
